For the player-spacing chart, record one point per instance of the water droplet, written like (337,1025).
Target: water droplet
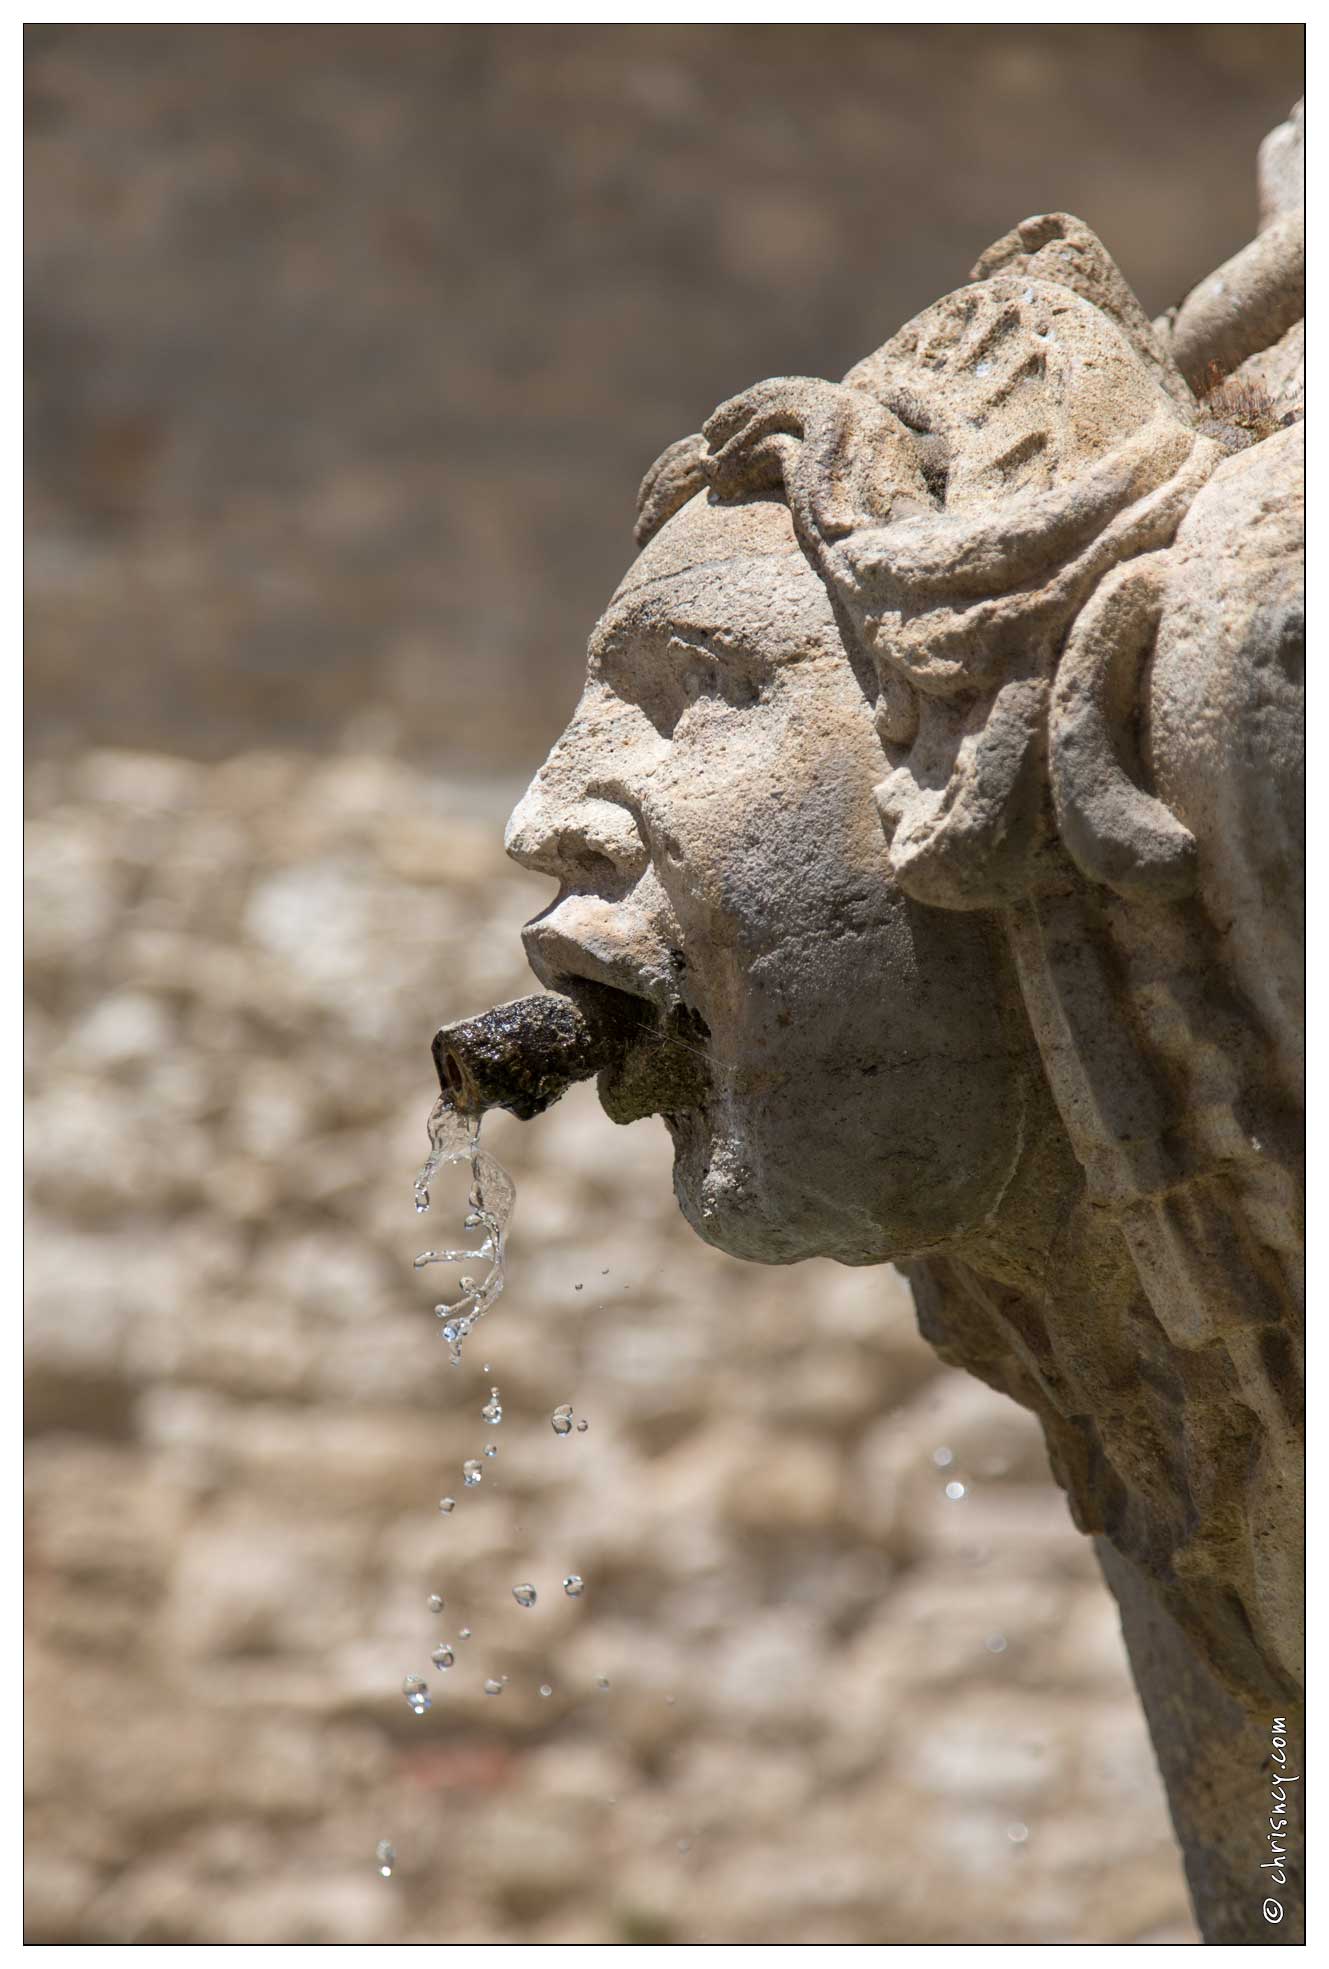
(465,1634)
(561,1425)
(493,1688)
(443,1657)
(447,1505)
(574,1585)
(995,1644)
(602,1681)
(471,1473)
(491,1449)
(1017,1832)
(955,1491)
(386,1855)
(416,1691)
(576,1288)
(943,1457)
(492,1412)
(487,1367)
(583,1426)
(435,1603)
(421,1202)
(525,1595)
(605,1272)
(545,1689)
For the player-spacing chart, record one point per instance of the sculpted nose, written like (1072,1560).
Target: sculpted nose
(573,836)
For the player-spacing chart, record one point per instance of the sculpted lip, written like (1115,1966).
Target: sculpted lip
(561,960)
(662,1067)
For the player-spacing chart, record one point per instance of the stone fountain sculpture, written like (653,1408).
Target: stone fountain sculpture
(932,818)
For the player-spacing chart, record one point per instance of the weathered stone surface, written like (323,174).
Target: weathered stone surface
(1017,1003)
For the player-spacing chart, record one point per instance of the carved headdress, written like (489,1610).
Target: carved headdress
(963,493)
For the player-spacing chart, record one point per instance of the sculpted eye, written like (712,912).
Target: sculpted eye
(699,676)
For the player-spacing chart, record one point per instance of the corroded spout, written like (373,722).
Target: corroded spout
(524,1056)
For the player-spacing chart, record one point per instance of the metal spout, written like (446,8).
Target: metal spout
(524,1056)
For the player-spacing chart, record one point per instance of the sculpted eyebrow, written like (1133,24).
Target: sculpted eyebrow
(612,641)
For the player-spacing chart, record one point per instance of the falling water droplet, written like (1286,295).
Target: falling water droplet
(602,1681)
(561,1419)
(574,1585)
(435,1603)
(471,1473)
(995,1644)
(491,1449)
(583,1426)
(416,1691)
(492,1412)
(447,1505)
(545,1689)
(1017,1832)
(386,1855)
(493,1688)
(577,1287)
(464,1634)
(443,1657)
(525,1595)
(955,1490)
(943,1457)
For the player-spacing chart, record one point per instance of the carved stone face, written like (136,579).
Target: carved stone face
(832,1065)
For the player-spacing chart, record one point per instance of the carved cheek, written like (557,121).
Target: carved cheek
(735,814)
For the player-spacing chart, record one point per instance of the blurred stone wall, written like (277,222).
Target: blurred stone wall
(347,349)
(348,346)
(843,1706)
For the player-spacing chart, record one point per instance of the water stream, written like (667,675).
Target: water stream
(455,1137)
